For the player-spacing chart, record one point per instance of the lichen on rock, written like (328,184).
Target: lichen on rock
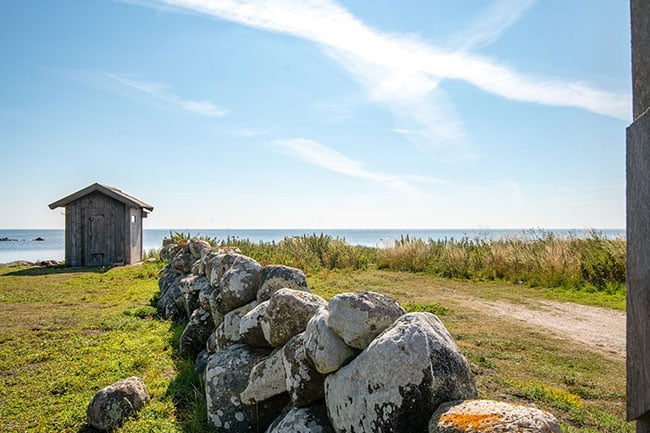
(111,405)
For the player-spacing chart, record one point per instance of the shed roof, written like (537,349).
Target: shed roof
(110,191)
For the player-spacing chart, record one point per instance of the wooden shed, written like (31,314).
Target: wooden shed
(103,226)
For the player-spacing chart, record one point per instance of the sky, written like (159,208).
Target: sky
(317,113)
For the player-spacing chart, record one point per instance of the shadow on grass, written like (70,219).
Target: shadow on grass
(54,270)
(186,389)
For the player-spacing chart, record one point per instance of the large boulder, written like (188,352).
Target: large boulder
(227,333)
(182,262)
(212,345)
(111,405)
(399,379)
(304,383)
(288,313)
(359,317)
(218,340)
(238,285)
(205,294)
(276,277)
(207,300)
(196,268)
(232,320)
(487,416)
(171,302)
(196,333)
(219,264)
(217,317)
(226,376)
(250,326)
(267,379)
(326,350)
(208,254)
(169,250)
(191,286)
(196,246)
(310,419)
(167,277)
(200,363)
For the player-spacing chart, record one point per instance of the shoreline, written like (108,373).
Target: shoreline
(27,263)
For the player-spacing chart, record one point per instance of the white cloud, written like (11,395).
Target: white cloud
(403,72)
(490,24)
(159,91)
(325,157)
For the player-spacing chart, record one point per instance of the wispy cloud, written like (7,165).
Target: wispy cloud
(161,92)
(325,157)
(403,72)
(490,24)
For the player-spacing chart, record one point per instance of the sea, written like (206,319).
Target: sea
(22,244)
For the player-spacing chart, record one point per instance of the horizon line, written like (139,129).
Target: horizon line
(350,228)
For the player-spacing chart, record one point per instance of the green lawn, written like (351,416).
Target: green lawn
(67,333)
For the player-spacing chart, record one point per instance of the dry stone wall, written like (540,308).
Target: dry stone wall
(276,358)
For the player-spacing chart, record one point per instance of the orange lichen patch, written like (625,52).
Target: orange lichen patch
(469,421)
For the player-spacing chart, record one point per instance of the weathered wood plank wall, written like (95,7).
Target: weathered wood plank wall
(96,227)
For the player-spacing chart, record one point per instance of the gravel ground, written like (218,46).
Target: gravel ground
(600,329)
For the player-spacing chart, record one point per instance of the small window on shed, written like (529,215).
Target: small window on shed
(132,219)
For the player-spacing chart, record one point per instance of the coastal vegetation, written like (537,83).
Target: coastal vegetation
(588,269)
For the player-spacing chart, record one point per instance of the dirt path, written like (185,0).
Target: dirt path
(600,329)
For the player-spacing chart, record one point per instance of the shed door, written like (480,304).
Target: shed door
(94,242)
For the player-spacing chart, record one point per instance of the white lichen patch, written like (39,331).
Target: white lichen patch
(236,281)
(267,379)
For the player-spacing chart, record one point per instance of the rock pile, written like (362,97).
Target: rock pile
(276,358)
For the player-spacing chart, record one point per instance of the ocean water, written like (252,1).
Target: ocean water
(22,245)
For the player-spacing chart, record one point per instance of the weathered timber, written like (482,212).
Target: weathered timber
(103,226)
(638,224)
(640,16)
(638,267)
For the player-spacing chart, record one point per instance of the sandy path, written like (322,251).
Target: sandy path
(600,329)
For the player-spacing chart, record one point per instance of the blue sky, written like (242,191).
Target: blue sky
(317,113)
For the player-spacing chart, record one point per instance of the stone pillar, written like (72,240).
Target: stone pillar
(638,223)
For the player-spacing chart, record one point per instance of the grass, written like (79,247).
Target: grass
(69,332)
(543,259)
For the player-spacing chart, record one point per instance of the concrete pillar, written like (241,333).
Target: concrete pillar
(638,223)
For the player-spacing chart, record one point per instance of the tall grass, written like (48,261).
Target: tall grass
(545,259)
(537,258)
(309,252)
